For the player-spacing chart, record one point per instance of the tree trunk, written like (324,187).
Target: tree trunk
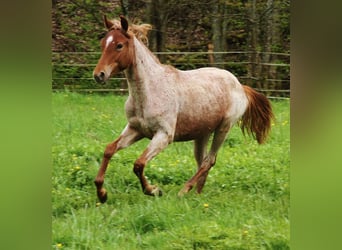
(267,48)
(158,19)
(253,70)
(276,38)
(125,7)
(217,33)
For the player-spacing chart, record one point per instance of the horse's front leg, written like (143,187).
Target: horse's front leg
(127,137)
(158,143)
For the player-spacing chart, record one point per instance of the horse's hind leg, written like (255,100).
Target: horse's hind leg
(128,137)
(219,137)
(200,149)
(208,161)
(200,152)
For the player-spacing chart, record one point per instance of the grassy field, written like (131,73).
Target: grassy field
(244,205)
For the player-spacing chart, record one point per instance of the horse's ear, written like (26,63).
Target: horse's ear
(124,23)
(107,23)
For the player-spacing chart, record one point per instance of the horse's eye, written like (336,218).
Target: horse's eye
(119,46)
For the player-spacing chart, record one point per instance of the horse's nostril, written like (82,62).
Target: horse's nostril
(102,74)
(97,79)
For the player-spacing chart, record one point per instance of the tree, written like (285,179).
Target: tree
(219,29)
(253,27)
(180,25)
(159,17)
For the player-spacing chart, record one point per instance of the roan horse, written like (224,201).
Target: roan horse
(166,105)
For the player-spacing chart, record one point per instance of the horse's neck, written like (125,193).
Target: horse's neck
(141,75)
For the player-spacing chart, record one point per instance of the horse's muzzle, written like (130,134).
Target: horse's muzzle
(100,78)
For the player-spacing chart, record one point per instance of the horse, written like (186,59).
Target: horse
(168,105)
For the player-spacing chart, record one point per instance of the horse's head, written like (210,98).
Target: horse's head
(117,50)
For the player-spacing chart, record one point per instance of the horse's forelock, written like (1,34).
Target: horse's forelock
(139,31)
(116,24)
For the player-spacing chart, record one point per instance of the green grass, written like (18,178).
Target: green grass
(244,204)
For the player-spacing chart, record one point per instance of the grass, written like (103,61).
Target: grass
(244,205)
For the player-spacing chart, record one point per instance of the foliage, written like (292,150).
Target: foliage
(244,205)
(77,26)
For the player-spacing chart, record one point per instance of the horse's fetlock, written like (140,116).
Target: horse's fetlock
(98,183)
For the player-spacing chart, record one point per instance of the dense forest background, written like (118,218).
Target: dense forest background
(255,36)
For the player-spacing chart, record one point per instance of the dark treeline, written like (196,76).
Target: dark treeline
(261,28)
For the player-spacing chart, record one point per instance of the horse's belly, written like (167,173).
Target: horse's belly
(187,129)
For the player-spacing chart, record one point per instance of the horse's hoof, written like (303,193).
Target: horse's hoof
(181,193)
(156,192)
(102,195)
(153,191)
(184,191)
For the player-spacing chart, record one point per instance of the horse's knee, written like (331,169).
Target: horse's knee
(208,162)
(213,161)
(109,151)
(138,167)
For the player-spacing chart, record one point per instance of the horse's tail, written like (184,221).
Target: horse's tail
(258,116)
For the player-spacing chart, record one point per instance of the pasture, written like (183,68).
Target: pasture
(244,204)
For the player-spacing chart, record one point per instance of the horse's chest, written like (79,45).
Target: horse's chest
(142,126)
(148,119)
(146,124)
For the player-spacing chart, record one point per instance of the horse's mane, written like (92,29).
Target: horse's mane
(140,31)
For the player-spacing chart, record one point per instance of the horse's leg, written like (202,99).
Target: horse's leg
(219,137)
(209,161)
(200,152)
(157,144)
(128,137)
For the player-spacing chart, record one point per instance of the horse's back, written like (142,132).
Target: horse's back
(206,97)
(212,88)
